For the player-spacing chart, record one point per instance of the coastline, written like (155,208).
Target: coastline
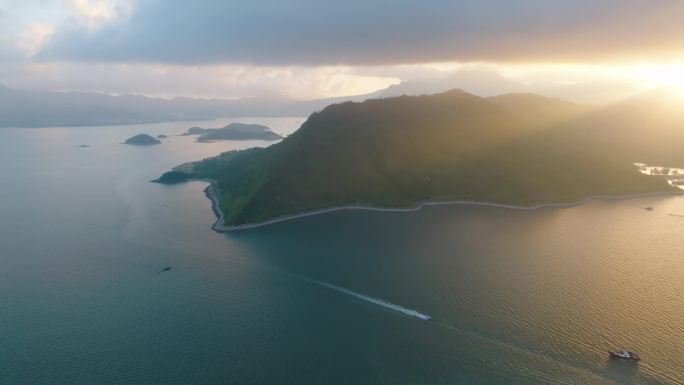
(210,193)
(220,226)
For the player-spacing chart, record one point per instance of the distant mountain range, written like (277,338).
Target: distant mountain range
(19,108)
(46,109)
(518,149)
(481,83)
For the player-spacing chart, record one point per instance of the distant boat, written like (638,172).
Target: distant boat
(624,355)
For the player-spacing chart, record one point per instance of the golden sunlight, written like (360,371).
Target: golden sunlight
(669,75)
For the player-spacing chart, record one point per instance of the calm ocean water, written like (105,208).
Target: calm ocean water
(515,297)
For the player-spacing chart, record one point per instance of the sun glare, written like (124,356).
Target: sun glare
(661,76)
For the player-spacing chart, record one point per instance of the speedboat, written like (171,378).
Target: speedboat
(624,354)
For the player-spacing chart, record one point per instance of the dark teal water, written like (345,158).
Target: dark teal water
(515,297)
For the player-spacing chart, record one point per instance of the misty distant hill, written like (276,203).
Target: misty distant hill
(482,83)
(20,108)
(41,109)
(45,109)
(516,149)
(648,128)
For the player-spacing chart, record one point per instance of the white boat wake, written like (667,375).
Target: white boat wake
(376,301)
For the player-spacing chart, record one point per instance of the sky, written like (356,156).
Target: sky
(584,50)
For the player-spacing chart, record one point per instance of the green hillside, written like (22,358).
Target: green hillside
(395,152)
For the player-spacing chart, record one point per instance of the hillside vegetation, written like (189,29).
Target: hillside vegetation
(516,149)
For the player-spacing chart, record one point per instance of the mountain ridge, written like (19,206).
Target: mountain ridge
(27,108)
(394,152)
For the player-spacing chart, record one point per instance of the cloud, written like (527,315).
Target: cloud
(372,32)
(26,25)
(94,14)
(32,38)
(310,49)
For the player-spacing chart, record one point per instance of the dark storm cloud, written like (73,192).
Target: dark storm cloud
(317,32)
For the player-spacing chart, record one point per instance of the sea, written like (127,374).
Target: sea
(107,279)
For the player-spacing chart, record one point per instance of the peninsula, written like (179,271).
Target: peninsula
(454,146)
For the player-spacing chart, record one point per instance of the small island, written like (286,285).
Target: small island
(234,131)
(161,136)
(142,140)
(198,130)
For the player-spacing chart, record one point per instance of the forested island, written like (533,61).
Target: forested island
(234,131)
(515,149)
(142,140)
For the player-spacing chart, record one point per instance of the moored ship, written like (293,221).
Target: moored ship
(624,354)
